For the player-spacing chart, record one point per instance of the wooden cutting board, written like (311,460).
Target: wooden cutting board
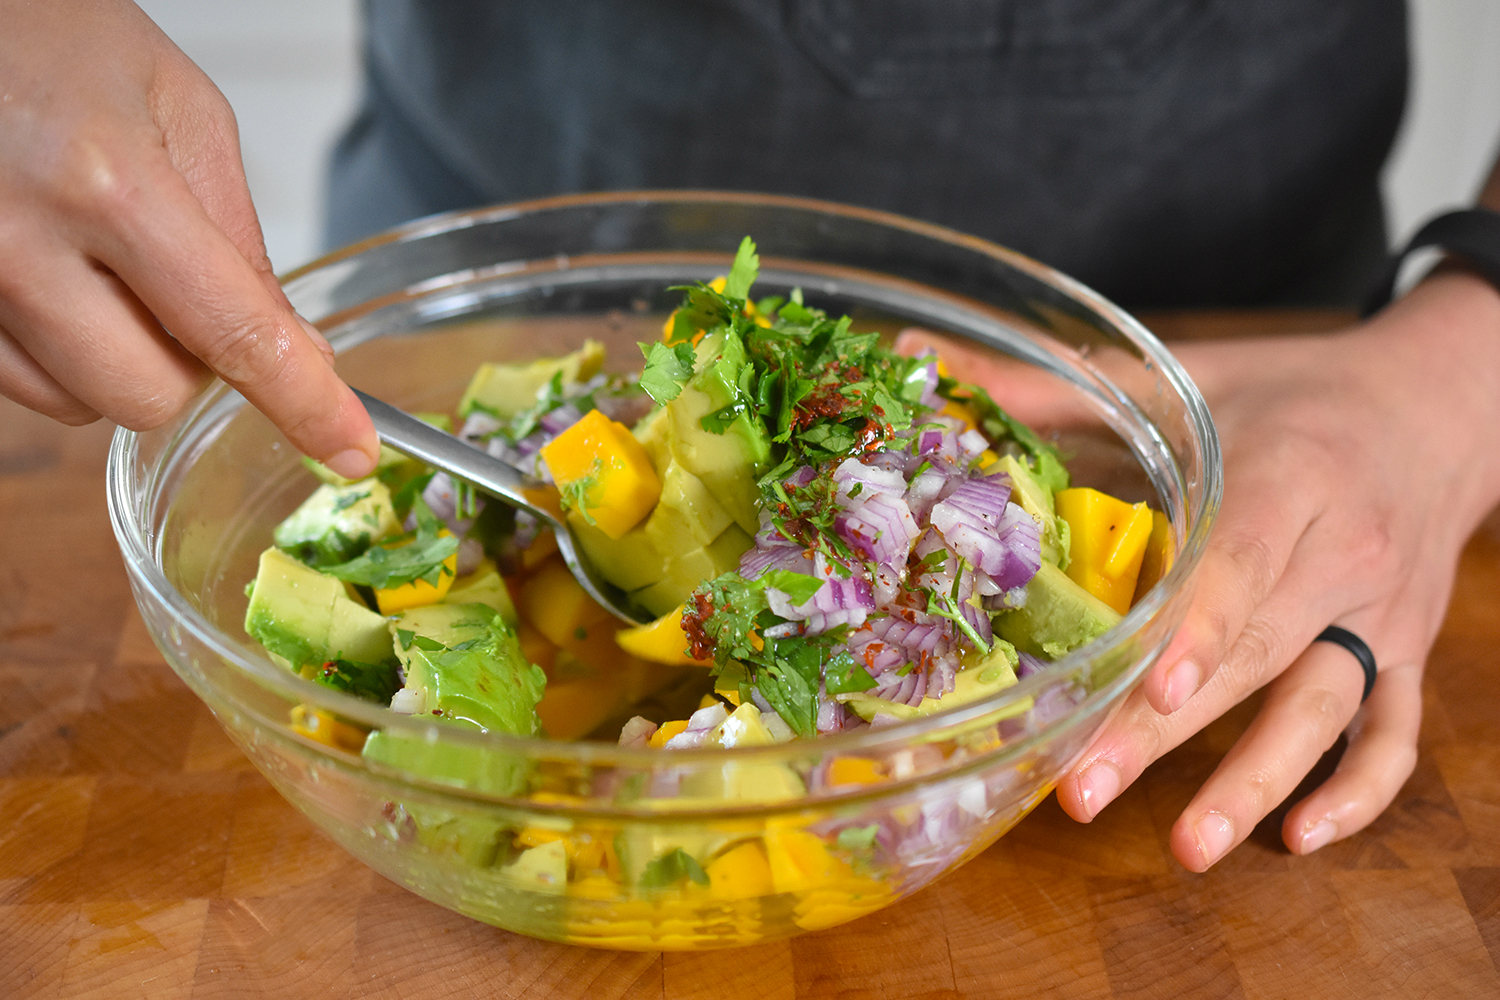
(141,856)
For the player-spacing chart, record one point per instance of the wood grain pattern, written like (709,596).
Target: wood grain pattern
(140,855)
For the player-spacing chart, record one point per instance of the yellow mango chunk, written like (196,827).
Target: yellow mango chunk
(854,771)
(741,873)
(603,472)
(1160,550)
(800,861)
(557,607)
(666,732)
(960,411)
(316,724)
(418,593)
(661,641)
(1109,539)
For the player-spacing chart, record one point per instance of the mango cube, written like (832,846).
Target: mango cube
(554,603)
(1109,539)
(740,873)
(603,472)
(1160,550)
(417,593)
(661,641)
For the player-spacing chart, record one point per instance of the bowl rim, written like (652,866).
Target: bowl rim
(149,577)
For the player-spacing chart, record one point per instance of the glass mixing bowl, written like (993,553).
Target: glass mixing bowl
(584,841)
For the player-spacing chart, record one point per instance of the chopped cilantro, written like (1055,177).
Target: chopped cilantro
(798,587)
(575,495)
(858,838)
(371,681)
(671,868)
(743,271)
(347,500)
(391,564)
(667,370)
(843,675)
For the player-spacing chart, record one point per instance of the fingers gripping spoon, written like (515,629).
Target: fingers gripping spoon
(461,460)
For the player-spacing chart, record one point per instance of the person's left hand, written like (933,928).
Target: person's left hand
(1356,465)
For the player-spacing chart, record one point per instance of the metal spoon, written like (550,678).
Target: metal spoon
(461,460)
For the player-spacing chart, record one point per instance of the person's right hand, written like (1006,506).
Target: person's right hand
(131,261)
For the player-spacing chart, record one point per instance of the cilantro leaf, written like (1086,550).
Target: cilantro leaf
(371,681)
(671,868)
(667,370)
(575,495)
(743,272)
(798,587)
(418,555)
(790,684)
(842,674)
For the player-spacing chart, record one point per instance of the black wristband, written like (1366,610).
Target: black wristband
(1472,235)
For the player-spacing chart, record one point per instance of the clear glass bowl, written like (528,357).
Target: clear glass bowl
(577,841)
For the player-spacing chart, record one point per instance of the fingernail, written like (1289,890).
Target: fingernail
(316,336)
(1182,684)
(1319,836)
(351,464)
(1098,786)
(1215,835)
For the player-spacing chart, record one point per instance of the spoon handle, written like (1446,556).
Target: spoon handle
(453,455)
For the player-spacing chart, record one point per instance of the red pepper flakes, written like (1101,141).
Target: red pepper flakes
(700,643)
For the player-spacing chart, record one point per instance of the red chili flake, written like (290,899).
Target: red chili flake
(700,643)
(870,436)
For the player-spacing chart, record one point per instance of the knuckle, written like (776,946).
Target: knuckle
(153,409)
(101,177)
(1370,548)
(1256,562)
(1325,712)
(1257,650)
(248,354)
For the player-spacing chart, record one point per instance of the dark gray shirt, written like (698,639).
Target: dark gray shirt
(1167,152)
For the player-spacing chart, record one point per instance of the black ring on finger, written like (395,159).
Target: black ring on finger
(1355,645)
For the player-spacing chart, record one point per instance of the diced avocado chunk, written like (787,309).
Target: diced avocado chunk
(543,868)
(504,390)
(1036,500)
(630,562)
(651,432)
(728,463)
(484,586)
(989,675)
(337,523)
(305,617)
(464,664)
(463,668)
(687,516)
(1058,616)
(686,571)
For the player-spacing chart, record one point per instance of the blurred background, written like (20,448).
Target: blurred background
(290,68)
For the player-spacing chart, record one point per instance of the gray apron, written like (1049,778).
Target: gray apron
(1166,152)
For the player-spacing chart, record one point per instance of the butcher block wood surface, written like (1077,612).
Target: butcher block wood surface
(141,855)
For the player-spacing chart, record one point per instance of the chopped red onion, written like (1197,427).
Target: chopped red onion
(700,723)
(636,732)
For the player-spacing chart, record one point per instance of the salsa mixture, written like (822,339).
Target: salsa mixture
(829,534)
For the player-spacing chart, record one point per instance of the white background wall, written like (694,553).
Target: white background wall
(290,69)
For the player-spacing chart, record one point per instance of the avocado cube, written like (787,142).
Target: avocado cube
(337,523)
(305,617)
